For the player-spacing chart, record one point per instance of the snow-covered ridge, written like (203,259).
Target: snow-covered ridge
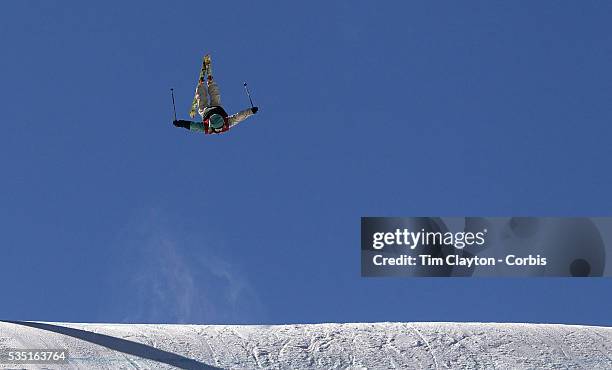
(380,345)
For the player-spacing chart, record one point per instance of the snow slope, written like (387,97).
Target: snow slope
(381,345)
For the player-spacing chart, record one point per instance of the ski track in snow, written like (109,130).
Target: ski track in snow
(328,346)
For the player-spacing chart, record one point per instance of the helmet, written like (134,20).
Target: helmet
(216,121)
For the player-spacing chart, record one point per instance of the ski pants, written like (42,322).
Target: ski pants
(202,96)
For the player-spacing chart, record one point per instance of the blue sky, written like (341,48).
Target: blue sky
(110,214)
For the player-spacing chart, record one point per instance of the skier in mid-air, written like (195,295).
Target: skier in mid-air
(214,118)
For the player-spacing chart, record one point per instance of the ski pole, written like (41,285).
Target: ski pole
(173,105)
(248,94)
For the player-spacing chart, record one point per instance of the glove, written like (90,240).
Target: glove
(182,123)
(254,109)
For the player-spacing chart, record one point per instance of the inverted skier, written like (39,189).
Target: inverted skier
(214,118)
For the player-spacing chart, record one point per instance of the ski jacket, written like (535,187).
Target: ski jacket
(230,121)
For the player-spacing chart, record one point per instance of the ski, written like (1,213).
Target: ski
(207,62)
(203,71)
